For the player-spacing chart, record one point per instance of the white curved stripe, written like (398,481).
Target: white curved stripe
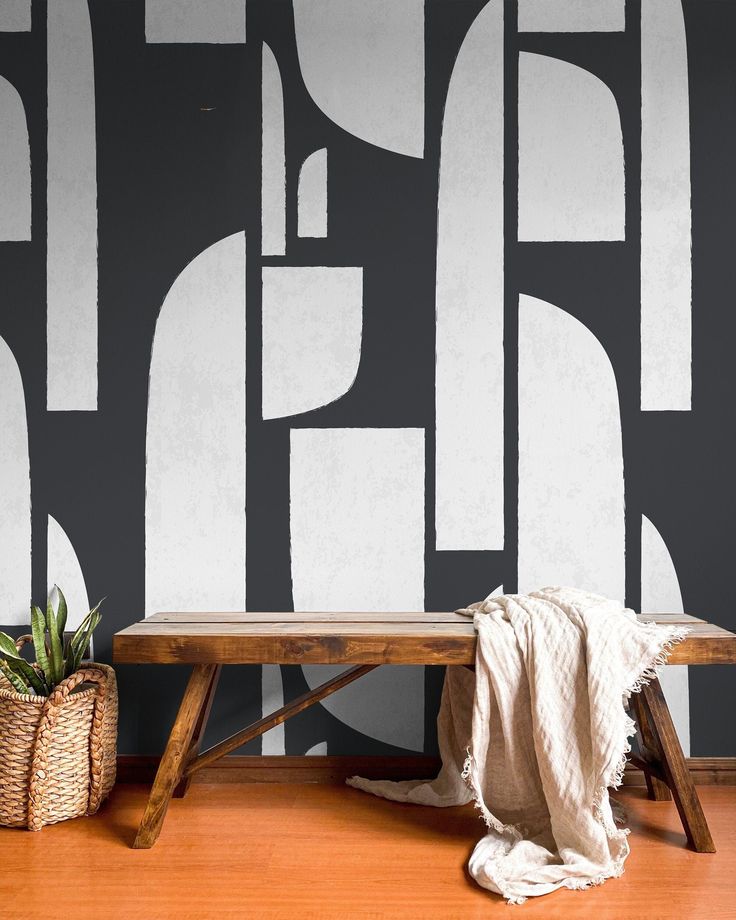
(571,485)
(71,261)
(272,698)
(273,159)
(469,500)
(666,282)
(572,16)
(660,593)
(195,439)
(191,21)
(15,16)
(571,155)
(15,496)
(319,749)
(15,166)
(363,64)
(357,543)
(312,324)
(312,195)
(63,569)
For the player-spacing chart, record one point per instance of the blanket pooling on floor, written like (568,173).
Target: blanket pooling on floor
(538,734)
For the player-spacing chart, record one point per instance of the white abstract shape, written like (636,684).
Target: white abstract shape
(363,64)
(273,160)
(357,543)
(571,483)
(15,496)
(312,195)
(195,439)
(571,155)
(660,593)
(312,323)
(192,21)
(469,501)
(666,272)
(15,16)
(272,698)
(63,569)
(71,262)
(572,16)
(319,749)
(15,166)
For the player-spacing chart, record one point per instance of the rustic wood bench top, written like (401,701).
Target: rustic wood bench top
(350,638)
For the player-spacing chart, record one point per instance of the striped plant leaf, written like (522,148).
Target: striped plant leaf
(38,628)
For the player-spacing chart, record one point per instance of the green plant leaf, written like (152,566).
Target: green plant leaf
(61,612)
(15,681)
(29,675)
(7,646)
(57,653)
(38,628)
(81,638)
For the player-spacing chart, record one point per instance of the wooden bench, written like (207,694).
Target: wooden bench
(366,640)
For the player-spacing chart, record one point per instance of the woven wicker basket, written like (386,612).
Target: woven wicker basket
(57,753)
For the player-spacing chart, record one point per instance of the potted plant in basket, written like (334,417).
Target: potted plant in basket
(58,722)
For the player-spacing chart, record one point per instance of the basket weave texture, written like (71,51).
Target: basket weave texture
(58,753)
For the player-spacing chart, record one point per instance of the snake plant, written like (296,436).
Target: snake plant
(56,659)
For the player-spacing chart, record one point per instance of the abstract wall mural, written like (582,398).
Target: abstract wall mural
(480,341)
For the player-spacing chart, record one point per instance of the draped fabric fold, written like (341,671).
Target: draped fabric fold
(538,735)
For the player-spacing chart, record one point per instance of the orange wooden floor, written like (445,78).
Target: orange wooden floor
(317,851)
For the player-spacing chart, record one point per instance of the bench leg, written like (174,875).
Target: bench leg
(178,746)
(657,789)
(185,782)
(667,750)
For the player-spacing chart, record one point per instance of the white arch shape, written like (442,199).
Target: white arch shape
(571,475)
(273,158)
(63,569)
(363,64)
(572,16)
(15,166)
(571,155)
(15,495)
(312,195)
(195,438)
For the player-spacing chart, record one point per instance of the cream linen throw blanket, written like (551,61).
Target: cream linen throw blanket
(537,736)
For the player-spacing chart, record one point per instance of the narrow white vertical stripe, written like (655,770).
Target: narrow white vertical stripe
(357,543)
(272,698)
(363,64)
(15,166)
(312,320)
(273,162)
(571,485)
(15,496)
(571,154)
(15,16)
(195,439)
(660,593)
(572,16)
(63,569)
(469,502)
(72,210)
(666,283)
(191,21)
(312,195)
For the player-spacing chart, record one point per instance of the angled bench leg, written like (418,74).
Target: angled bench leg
(667,750)
(196,742)
(657,789)
(178,746)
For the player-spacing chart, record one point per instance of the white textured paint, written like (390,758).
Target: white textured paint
(15,166)
(15,16)
(273,159)
(15,496)
(63,569)
(71,262)
(195,439)
(660,593)
(571,155)
(469,499)
(357,543)
(572,16)
(571,484)
(666,282)
(363,64)
(312,323)
(312,195)
(272,698)
(212,22)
